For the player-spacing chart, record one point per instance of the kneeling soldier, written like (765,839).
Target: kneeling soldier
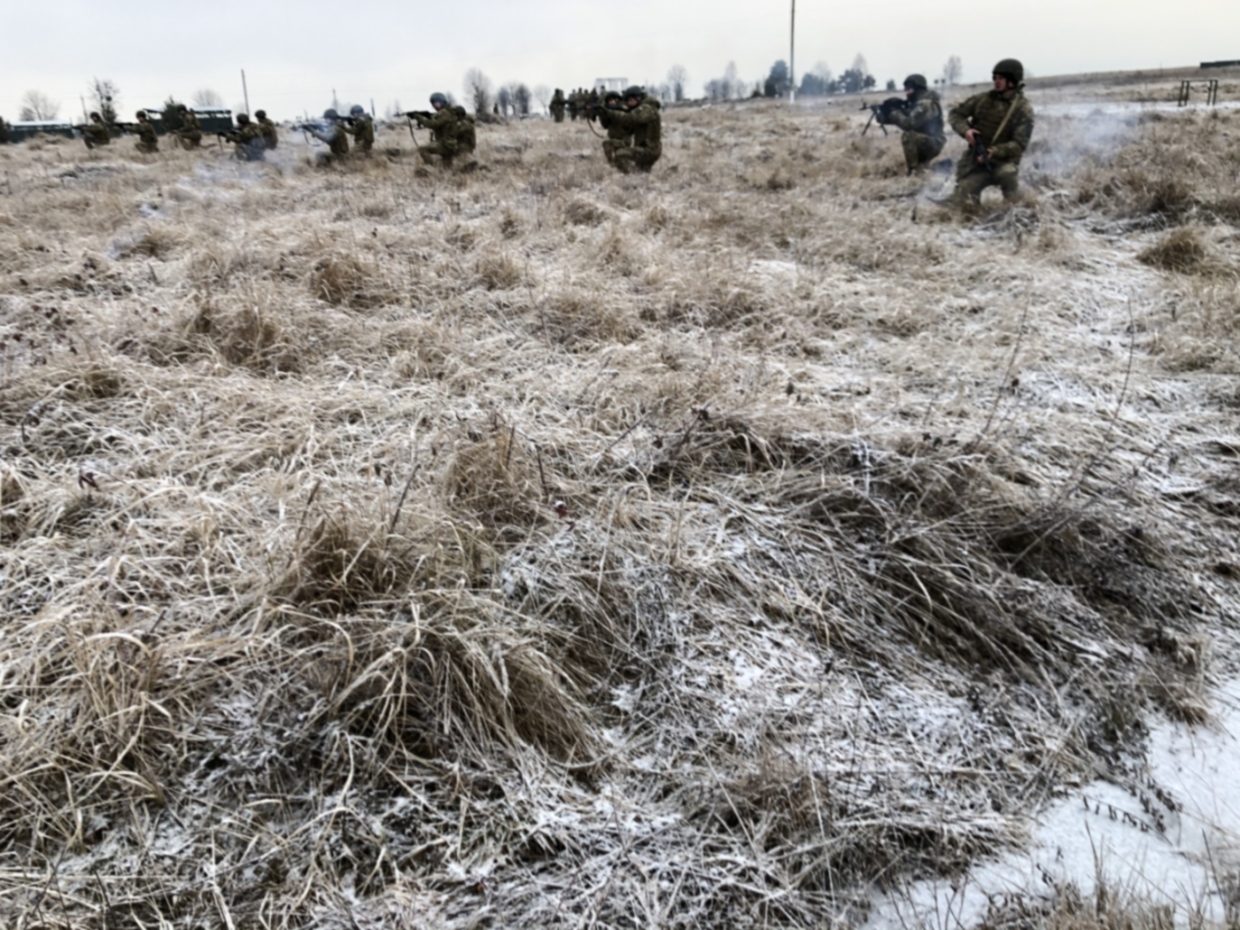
(362,130)
(922,124)
(998,125)
(190,132)
(249,139)
(96,132)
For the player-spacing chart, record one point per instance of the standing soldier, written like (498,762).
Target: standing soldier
(574,104)
(922,124)
(148,141)
(267,128)
(640,117)
(95,132)
(443,126)
(248,138)
(997,125)
(362,130)
(190,133)
(557,106)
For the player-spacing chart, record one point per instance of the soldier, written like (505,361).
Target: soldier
(574,104)
(618,136)
(331,132)
(362,130)
(444,128)
(249,139)
(558,104)
(997,125)
(467,133)
(922,124)
(148,141)
(270,137)
(640,117)
(190,133)
(95,132)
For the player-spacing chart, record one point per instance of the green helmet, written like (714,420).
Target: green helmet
(356,110)
(141,114)
(243,119)
(916,81)
(330,113)
(438,98)
(260,114)
(635,91)
(1011,69)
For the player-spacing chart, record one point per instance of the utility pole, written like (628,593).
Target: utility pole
(792,57)
(85,116)
(245,91)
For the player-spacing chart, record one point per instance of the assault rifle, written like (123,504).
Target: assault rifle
(882,112)
(980,153)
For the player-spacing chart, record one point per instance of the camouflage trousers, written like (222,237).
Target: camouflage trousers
(251,151)
(630,157)
(190,139)
(919,149)
(611,146)
(146,148)
(557,114)
(445,152)
(972,179)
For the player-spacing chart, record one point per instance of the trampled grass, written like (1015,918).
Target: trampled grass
(545,547)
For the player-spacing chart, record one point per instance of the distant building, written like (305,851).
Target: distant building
(28,129)
(603,85)
(1221,64)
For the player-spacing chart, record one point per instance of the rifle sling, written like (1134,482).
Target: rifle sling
(1006,116)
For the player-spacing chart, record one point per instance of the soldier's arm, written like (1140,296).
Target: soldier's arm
(959,115)
(913,120)
(1020,132)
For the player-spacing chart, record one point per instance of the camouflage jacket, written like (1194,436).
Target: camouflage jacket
(467,133)
(270,137)
(248,139)
(363,133)
(558,102)
(189,123)
(644,122)
(986,112)
(97,133)
(617,130)
(924,115)
(146,133)
(443,126)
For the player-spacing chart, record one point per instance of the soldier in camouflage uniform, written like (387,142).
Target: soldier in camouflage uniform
(96,132)
(270,137)
(558,104)
(362,130)
(641,118)
(148,140)
(922,124)
(332,132)
(190,133)
(619,136)
(248,138)
(467,132)
(1001,120)
(444,128)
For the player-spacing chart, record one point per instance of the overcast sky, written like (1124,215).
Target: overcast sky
(296,53)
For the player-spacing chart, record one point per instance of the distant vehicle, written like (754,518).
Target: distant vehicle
(213,119)
(28,129)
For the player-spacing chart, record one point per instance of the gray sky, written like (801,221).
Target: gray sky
(295,53)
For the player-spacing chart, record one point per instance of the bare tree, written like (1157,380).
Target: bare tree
(478,90)
(731,81)
(36,105)
(823,70)
(542,93)
(106,97)
(953,71)
(521,99)
(207,98)
(504,99)
(678,79)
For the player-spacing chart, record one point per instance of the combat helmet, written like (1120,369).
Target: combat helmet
(438,98)
(330,113)
(243,119)
(460,111)
(357,110)
(260,114)
(1011,69)
(635,91)
(916,81)
(141,114)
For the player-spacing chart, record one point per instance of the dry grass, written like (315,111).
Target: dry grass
(547,547)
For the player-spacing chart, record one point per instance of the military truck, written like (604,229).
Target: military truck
(28,129)
(213,119)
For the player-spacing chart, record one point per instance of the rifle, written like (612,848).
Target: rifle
(882,112)
(980,153)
